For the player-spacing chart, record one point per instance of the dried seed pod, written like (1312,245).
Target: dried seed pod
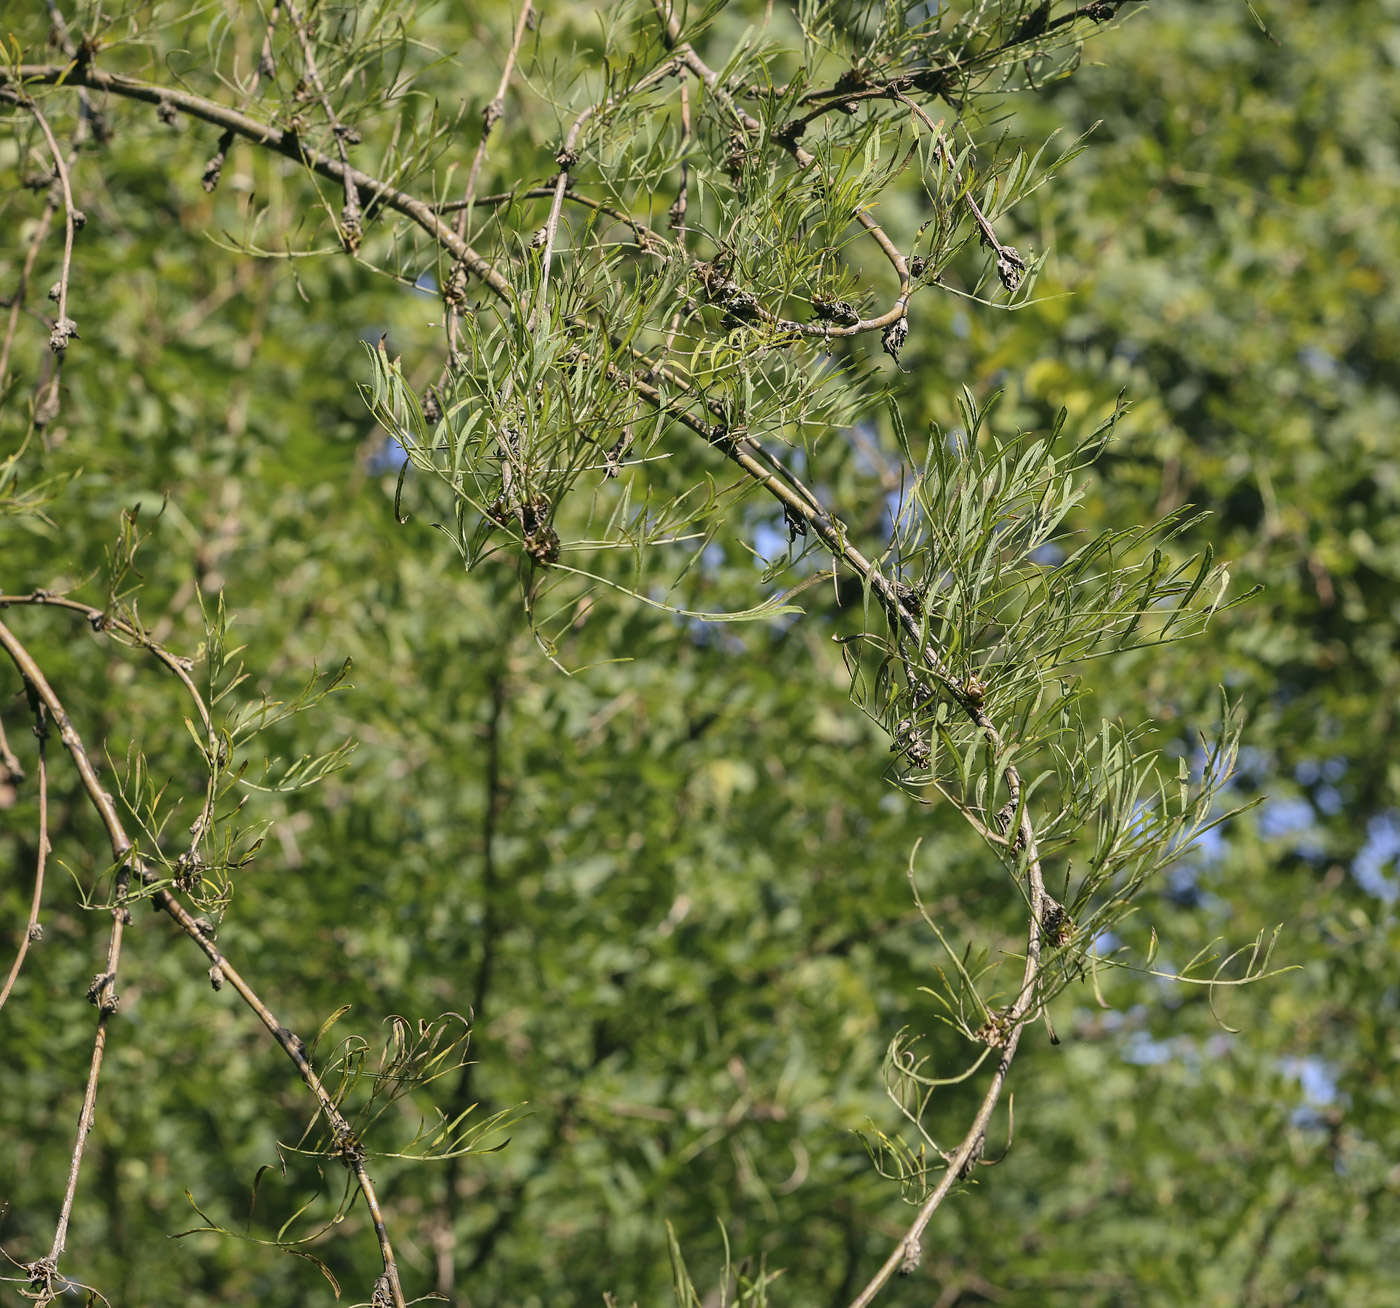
(794,522)
(842,312)
(995,1030)
(454,290)
(350,231)
(1057,923)
(64,330)
(894,337)
(1010,266)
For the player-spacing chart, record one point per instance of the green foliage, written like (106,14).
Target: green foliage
(701,341)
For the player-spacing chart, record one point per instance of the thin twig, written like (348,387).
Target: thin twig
(906,622)
(273,138)
(64,329)
(13,767)
(1010,264)
(567,158)
(496,109)
(349,227)
(685,52)
(490,116)
(350,1153)
(677,212)
(266,66)
(104,620)
(102,992)
(32,930)
(41,232)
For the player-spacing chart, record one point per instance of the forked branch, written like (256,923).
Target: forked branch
(130,865)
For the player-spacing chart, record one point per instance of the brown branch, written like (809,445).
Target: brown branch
(677,211)
(345,1146)
(887,321)
(349,226)
(13,768)
(490,116)
(105,620)
(937,80)
(64,329)
(102,992)
(269,137)
(32,930)
(496,109)
(46,405)
(1006,1029)
(36,242)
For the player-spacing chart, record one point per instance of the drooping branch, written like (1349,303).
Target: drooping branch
(267,136)
(32,930)
(131,867)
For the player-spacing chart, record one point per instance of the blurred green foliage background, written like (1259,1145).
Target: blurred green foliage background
(673,888)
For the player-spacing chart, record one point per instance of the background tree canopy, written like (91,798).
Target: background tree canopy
(907,336)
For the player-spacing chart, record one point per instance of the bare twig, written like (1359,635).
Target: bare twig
(36,242)
(495,110)
(677,212)
(490,116)
(64,329)
(102,992)
(32,929)
(349,226)
(13,767)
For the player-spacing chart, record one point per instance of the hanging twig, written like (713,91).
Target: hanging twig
(345,1144)
(349,227)
(32,930)
(490,116)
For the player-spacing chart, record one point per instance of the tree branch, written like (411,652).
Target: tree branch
(345,1145)
(32,930)
(269,137)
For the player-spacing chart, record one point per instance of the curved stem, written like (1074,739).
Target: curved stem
(271,138)
(346,1146)
(31,928)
